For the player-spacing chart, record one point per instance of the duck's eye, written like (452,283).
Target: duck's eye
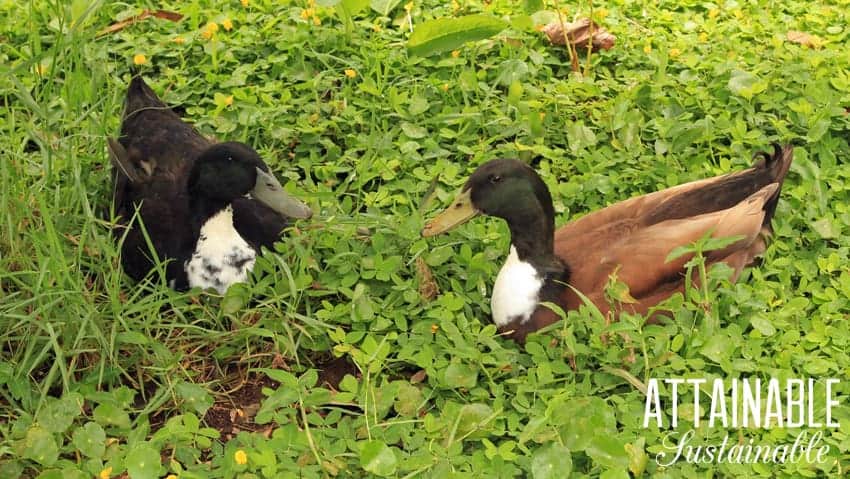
(495,179)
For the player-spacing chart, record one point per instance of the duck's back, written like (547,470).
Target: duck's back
(633,238)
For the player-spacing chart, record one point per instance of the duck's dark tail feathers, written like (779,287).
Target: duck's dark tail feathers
(140,96)
(777,166)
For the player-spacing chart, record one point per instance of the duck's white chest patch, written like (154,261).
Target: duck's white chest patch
(516,291)
(222,257)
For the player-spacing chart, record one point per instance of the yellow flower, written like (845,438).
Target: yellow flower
(445,87)
(104,474)
(455,53)
(455,6)
(376,28)
(207,34)
(240,457)
(350,73)
(408,6)
(179,40)
(675,52)
(434,328)
(211,27)
(738,13)
(601,13)
(228,100)
(140,59)
(171,476)
(227,24)
(307,13)
(245,3)
(647,48)
(317,21)
(703,37)
(713,13)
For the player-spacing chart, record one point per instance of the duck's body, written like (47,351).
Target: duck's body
(631,239)
(205,207)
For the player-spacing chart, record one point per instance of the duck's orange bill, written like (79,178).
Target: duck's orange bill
(460,211)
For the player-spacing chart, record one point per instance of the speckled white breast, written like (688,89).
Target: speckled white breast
(516,292)
(222,257)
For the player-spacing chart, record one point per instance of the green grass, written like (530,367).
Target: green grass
(99,373)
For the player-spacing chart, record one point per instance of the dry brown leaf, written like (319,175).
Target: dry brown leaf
(163,14)
(805,39)
(428,289)
(578,33)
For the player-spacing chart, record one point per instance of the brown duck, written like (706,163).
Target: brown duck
(631,239)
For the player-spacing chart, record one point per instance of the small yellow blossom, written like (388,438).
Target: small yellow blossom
(601,14)
(408,6)
(317,21)
(713,13)
(738,13)
(104,474)
(171,476)
(228,100)
(647,48)
(227,24)
(350,73)
(542,115)
(703,37)
(179,40)
(434,328)
(140,59)
(455,53)
(455,6)
(307,13)
(211,26)
(240,457)
(245,3)
(377,28)
(207,34)
(675,52)
(445,87)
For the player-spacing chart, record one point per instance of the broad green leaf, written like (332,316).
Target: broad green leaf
(377,458)
(58,414)
(90,440)
(40,446)
(473,417)
(143,462)
(745,84)
(532,6)
(408,400)
(384,7)
(445,34)
(459,375)
(551,462)
(609,452)
(108,414)
(194,396)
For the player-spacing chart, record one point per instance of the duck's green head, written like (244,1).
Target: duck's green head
(226,171)
(505,188)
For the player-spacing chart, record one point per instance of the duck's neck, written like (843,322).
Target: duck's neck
(204,208)
(533,236)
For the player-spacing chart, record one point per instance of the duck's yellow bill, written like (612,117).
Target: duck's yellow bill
(459,212)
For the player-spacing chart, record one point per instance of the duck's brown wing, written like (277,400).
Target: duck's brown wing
(634,238)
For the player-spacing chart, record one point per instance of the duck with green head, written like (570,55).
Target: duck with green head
(631,239)
(206,208)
